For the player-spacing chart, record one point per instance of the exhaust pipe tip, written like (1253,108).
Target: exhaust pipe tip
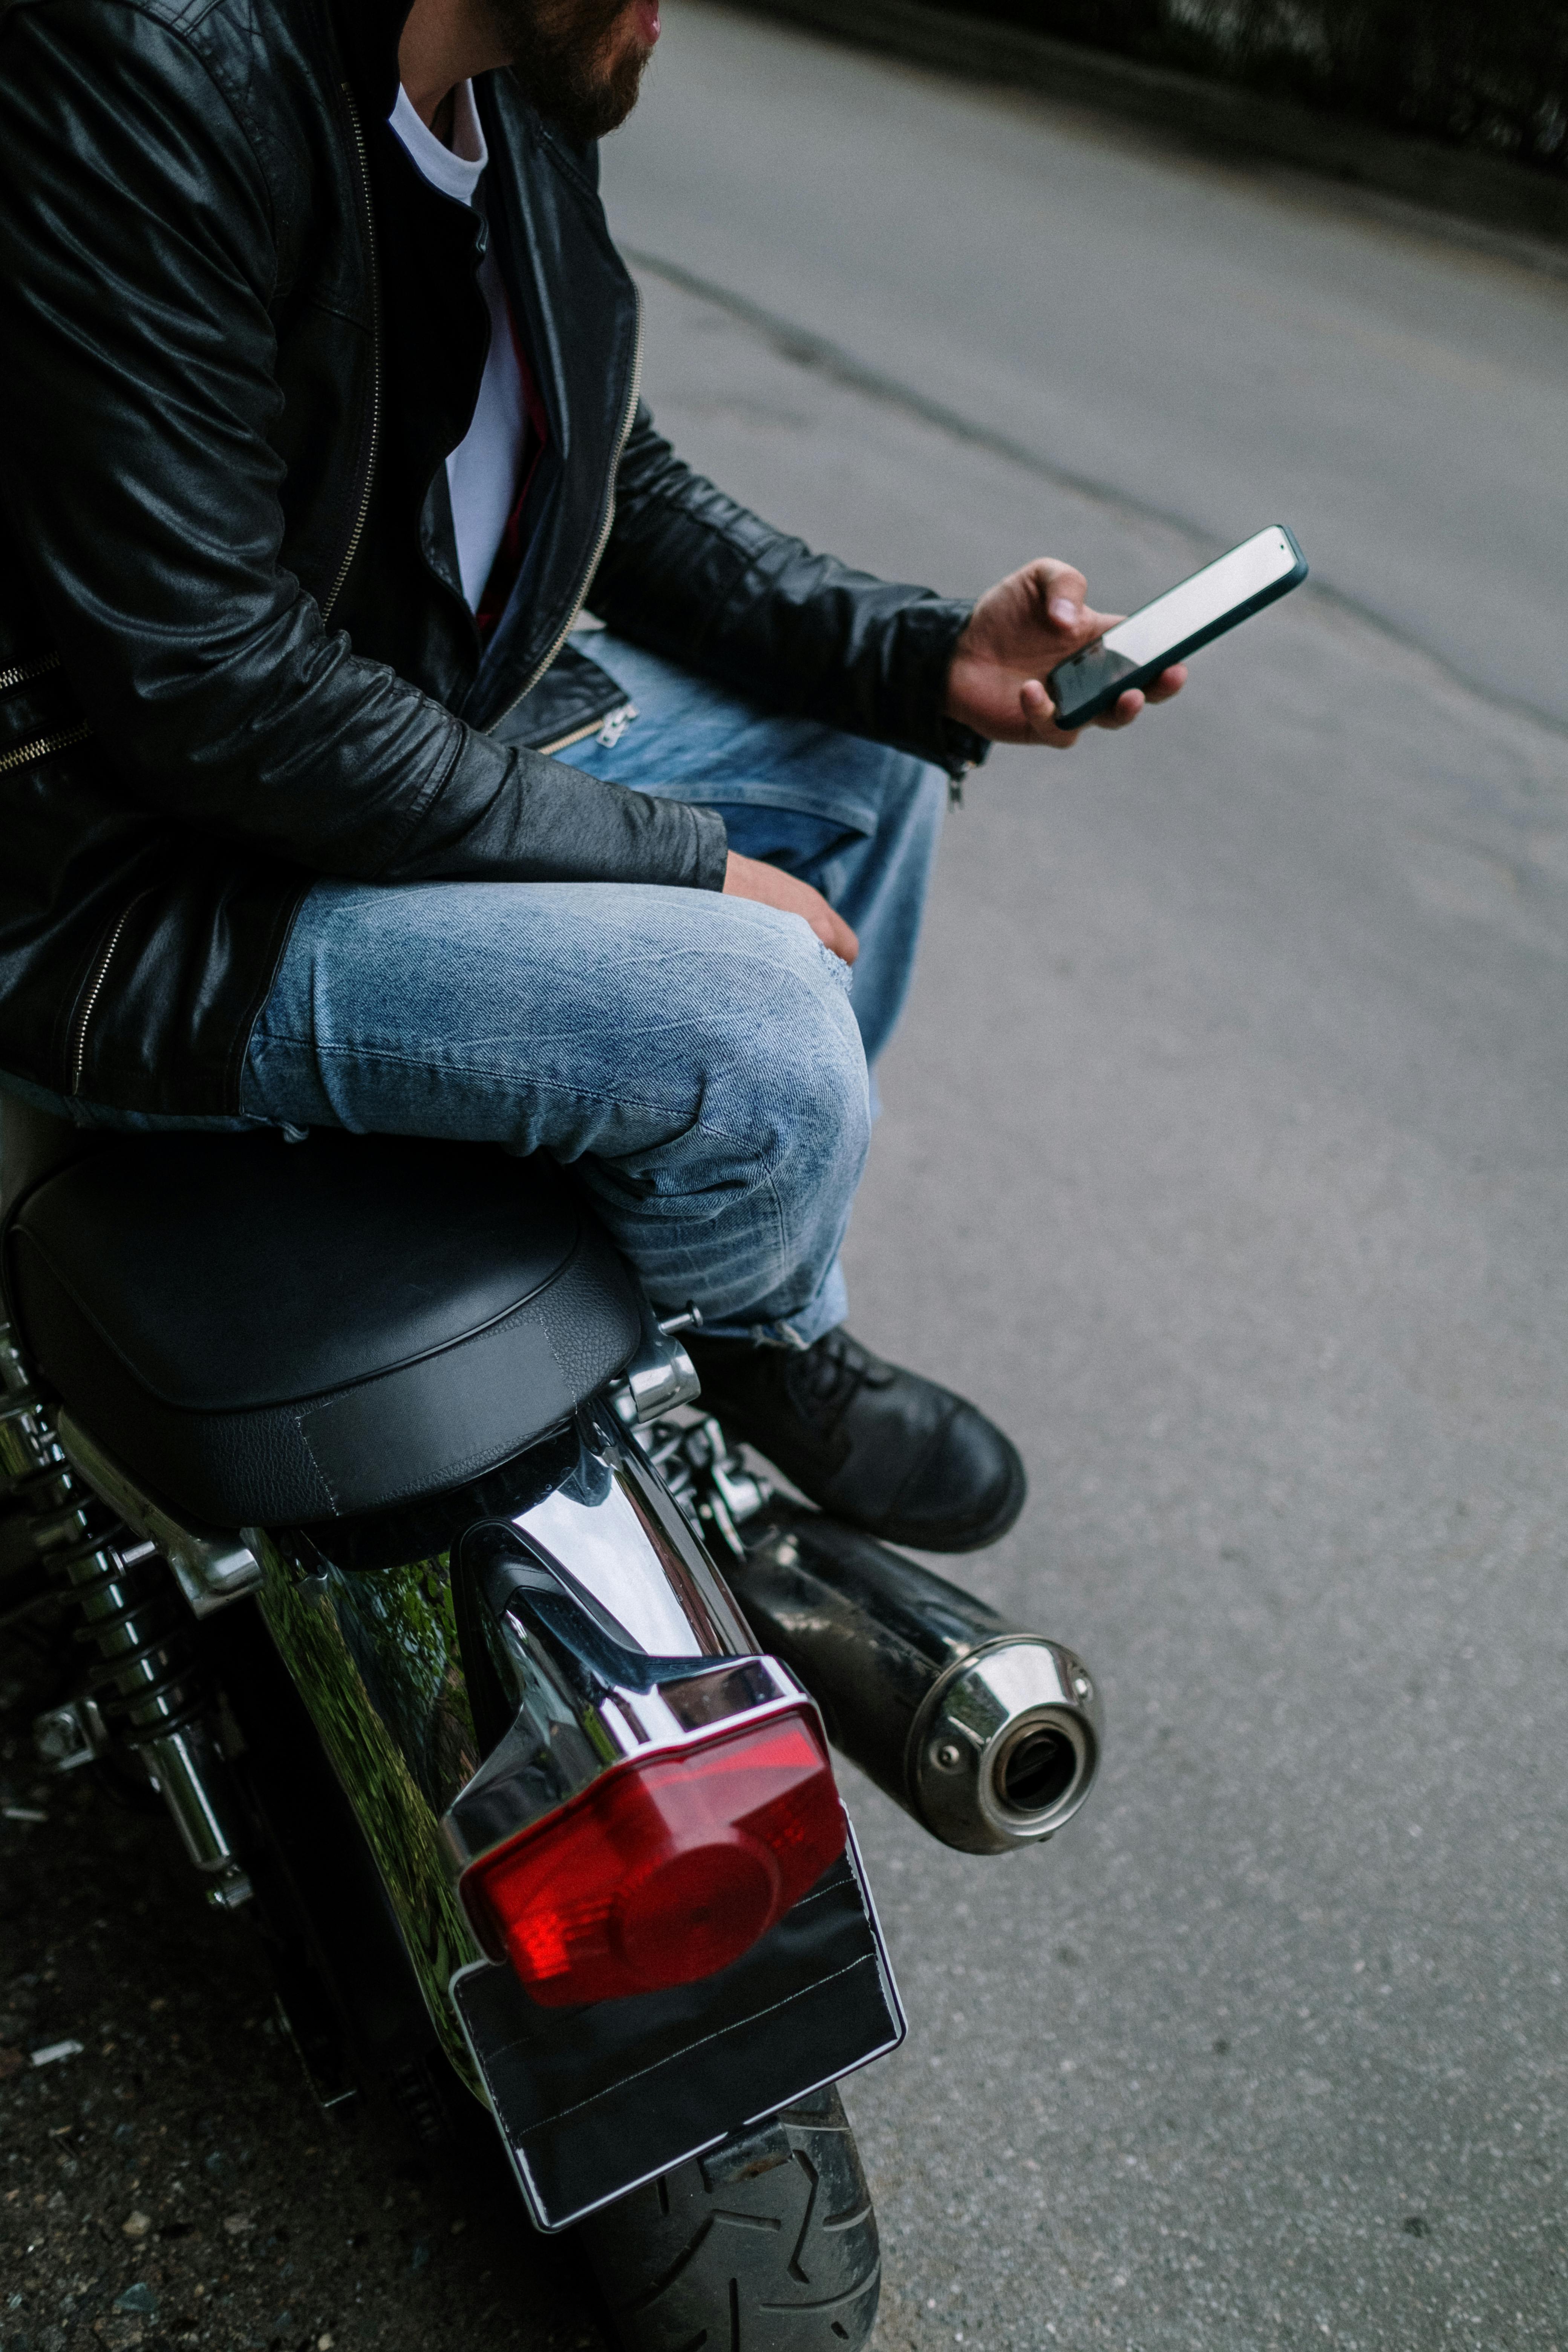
(1006,1747)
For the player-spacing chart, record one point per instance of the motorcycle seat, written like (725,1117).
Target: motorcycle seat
(264,1333)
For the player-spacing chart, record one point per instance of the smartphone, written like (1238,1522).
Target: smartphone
(1136,650)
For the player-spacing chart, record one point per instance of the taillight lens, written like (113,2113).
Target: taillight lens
(667,1868)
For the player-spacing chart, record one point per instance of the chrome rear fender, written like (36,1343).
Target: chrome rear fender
(454,1705)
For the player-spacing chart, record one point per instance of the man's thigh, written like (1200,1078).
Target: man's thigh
(858,821)
(694,741)
(575,1018)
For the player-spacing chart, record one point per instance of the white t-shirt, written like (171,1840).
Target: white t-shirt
(482,471)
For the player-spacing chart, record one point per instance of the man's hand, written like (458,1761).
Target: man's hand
(749,878)
(1016,635)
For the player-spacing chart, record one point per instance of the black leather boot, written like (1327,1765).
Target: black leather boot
(879,1448)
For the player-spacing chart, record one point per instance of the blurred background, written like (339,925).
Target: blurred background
(1492,75)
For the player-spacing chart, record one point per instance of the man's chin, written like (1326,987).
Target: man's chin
(622,79)
(552,45)
(613,98)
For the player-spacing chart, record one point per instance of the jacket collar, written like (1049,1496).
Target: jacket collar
(369,32)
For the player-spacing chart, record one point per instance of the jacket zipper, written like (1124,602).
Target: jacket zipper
(600,543)
(607,731)
(364,515)
(95,990)
(41,746)
(24,673)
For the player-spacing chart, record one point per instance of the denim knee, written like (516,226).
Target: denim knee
(794,1052)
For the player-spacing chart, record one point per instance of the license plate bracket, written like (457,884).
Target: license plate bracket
(591,2102)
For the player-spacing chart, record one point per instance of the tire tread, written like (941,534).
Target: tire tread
(767,2244)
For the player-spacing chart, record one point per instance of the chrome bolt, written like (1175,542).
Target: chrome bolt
(950,1755)
(61,1740)
(232,1889)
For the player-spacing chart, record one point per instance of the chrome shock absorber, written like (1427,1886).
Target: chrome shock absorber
(147,1685)
(144,1689)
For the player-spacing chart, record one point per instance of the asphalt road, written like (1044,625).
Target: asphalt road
(166,2179)
(1223,1159)
(1219,346)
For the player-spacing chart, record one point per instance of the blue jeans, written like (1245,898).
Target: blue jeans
(702,1061)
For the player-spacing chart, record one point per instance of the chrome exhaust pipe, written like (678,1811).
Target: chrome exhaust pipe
(989,1735)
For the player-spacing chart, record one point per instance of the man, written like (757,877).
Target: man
(319,431)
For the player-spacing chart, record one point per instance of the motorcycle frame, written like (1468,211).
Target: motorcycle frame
(378,1657)
(632,1646)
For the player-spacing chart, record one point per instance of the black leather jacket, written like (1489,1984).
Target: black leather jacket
(238,334)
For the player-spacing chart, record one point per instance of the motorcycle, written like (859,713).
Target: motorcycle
(378,1515)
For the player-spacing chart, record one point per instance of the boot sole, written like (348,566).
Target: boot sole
(951,1539)
(916,1535)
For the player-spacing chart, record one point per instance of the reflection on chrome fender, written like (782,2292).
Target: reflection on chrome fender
(378,1655)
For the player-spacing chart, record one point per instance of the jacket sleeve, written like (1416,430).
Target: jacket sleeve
(138,259)
(695,576)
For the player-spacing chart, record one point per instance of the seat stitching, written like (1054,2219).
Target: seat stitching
(327,1486)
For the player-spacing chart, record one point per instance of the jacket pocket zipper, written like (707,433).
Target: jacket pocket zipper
(364,515)
(607,731)
(23,672)
(40,748)
(95,990)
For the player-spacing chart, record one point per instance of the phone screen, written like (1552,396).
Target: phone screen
(1185,617)
(1195,604)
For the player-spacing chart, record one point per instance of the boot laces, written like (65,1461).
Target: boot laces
(831,1373)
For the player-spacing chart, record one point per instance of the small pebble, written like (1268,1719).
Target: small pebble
(53,2050)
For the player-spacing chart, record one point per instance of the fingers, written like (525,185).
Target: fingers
(1038,712)
(1123,711)
(1039,716)
(1168,682)
(753,877)
(830,928)
(1060,587)
(1016,636)
(1093,625)
(1065,593)
(836,934)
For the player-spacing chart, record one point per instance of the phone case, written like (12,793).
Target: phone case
(1059,686)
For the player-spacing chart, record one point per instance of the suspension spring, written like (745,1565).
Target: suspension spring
(146,1678)
(145,1685)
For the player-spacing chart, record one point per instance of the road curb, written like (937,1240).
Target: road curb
(1498,195)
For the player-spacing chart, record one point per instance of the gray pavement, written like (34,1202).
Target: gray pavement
(1225,1159)
(1208,341)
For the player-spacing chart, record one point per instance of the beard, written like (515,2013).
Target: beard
(566,56)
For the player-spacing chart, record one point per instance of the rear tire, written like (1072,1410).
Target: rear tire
(768,2244)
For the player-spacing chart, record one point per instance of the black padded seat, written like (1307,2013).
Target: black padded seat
(266,1332)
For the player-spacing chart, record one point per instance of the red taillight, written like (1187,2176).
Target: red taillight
(667,1869)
